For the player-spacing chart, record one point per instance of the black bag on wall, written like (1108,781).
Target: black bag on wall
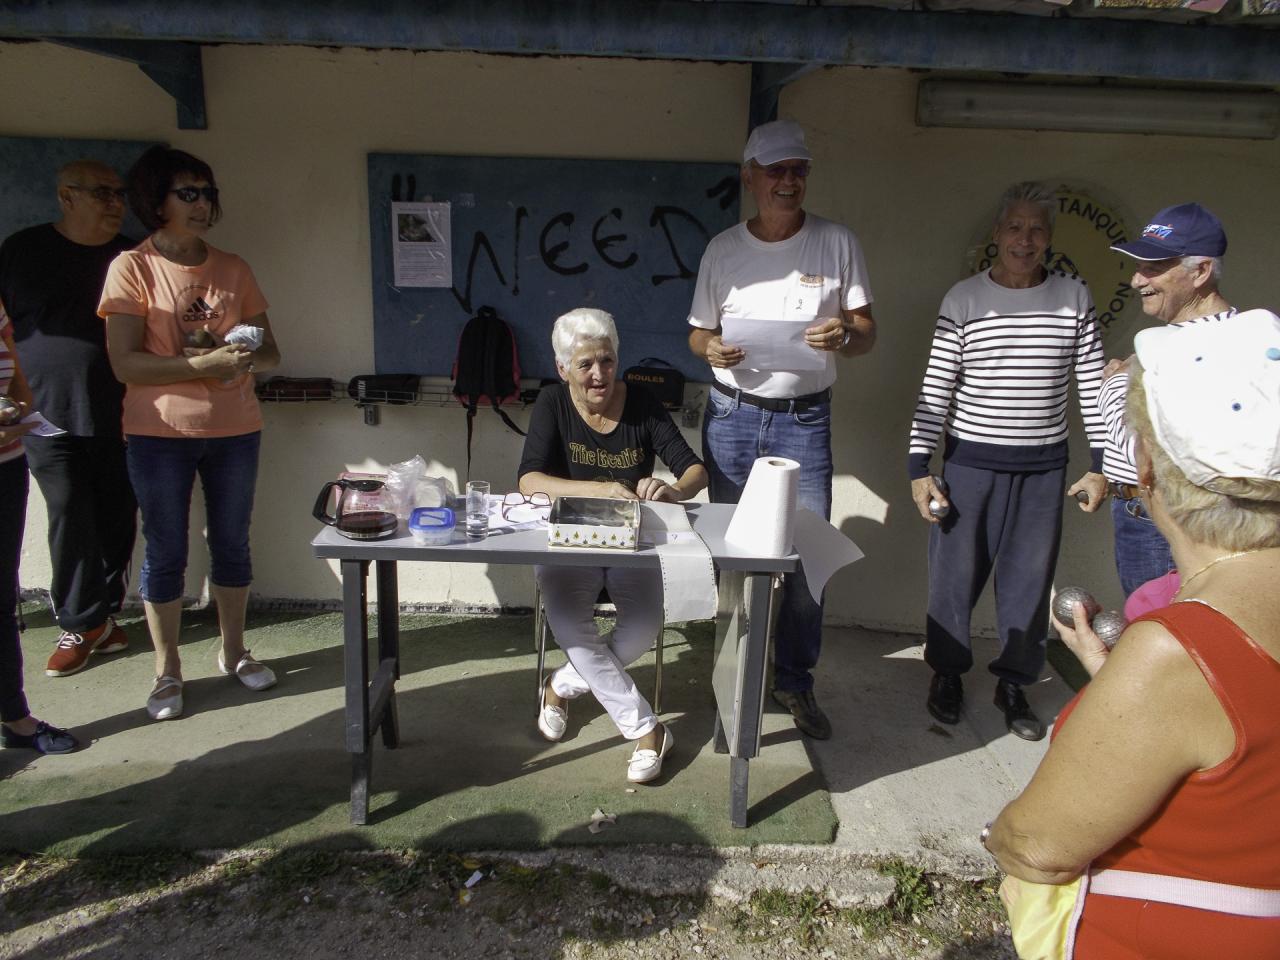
(662,380)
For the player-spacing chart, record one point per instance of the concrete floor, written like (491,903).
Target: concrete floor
(243,770)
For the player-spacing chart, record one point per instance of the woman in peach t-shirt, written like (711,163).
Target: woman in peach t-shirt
(189,406)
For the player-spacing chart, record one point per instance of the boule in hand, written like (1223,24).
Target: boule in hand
(936,507)
(200,339)
(1108,625)
(10,411)
(1066,597)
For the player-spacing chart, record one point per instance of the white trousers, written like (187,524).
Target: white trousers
(598,664)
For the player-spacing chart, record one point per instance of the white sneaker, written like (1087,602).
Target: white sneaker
(165,700)
(552,721)
(646,765)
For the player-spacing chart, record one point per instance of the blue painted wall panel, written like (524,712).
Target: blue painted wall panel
(534,238)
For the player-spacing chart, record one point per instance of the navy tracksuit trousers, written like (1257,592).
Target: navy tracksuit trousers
(1009,524)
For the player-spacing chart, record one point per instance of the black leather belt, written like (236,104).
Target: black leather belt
(1123,491)
(775,404)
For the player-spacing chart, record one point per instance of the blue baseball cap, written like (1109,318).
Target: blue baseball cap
(1187,230)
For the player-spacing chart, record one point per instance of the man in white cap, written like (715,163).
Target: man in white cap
(1179,265)
(777,299)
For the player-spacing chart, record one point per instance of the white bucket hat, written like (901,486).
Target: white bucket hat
(1213,395)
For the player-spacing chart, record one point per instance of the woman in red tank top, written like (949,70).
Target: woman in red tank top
(1164,783)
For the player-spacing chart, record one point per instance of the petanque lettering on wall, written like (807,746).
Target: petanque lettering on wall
(1085,227)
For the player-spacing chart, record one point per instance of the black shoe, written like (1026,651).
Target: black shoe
(946,694)
(806,712)
(47,739)
(1018,715)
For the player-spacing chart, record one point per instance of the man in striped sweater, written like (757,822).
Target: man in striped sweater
(1005,348)
(1179,265)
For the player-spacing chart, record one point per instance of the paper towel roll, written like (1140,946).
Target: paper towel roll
(764,521)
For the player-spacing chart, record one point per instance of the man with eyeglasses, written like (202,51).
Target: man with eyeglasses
(791,287)
(51,279)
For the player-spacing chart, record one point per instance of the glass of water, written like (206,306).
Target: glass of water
(477,509)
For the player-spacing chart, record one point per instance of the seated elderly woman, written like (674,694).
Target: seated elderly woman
(1162,783)
(594,436)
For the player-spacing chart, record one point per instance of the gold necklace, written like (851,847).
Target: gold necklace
(1213,563)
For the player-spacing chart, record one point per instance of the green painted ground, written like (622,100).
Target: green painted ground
(270,770)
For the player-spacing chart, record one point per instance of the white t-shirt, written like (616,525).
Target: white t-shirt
(811,276)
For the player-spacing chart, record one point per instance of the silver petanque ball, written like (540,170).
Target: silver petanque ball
(938,509)
(1064,598)
(1082,496)
(1108,625)
(10,412)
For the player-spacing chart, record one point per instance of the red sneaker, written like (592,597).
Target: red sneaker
(73,650)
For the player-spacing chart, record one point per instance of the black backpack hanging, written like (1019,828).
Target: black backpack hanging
(487,369)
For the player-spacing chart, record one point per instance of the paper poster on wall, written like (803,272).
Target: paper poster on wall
(421,248)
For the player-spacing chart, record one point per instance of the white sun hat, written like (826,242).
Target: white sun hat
(1213,394)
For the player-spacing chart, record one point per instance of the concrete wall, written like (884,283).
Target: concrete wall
(289,130)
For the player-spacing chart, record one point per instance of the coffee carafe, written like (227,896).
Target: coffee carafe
(362,509)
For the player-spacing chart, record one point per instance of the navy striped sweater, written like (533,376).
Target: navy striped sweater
(999,373)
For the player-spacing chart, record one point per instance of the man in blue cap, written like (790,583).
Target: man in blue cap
(1179,265)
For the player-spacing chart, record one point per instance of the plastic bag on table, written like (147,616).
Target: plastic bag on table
(433,492)
(402,478)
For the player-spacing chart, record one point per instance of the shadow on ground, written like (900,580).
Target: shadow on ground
(270,770)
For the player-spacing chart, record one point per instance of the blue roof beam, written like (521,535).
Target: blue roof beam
(176,67)
(684,30)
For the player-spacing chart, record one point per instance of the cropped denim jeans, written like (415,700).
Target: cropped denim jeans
(163,472)
(734,435)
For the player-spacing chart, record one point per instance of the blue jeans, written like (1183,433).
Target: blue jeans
(1142,553)
(163,471)
(734,435)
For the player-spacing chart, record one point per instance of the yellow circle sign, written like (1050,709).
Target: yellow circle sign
(1084,230)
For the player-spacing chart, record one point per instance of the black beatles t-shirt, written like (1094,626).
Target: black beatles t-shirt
(50,287)
(560,444)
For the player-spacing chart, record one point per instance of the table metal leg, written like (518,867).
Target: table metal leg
(718,740)
(738,792)
(738,676)
(385,714)
(355,645)
(753,664)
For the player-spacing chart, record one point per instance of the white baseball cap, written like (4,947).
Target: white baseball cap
(774,141)
(1213,395)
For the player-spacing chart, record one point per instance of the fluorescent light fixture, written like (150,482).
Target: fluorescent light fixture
(1094,109)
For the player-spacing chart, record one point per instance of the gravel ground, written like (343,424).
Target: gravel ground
(319,904)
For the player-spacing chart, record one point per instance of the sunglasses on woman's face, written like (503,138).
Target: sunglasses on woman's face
(192,194)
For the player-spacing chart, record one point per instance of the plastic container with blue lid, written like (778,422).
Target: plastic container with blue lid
(432,526)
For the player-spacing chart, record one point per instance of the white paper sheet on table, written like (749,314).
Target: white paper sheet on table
(823,550)
(767,523)
(688,572)
(773,344)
